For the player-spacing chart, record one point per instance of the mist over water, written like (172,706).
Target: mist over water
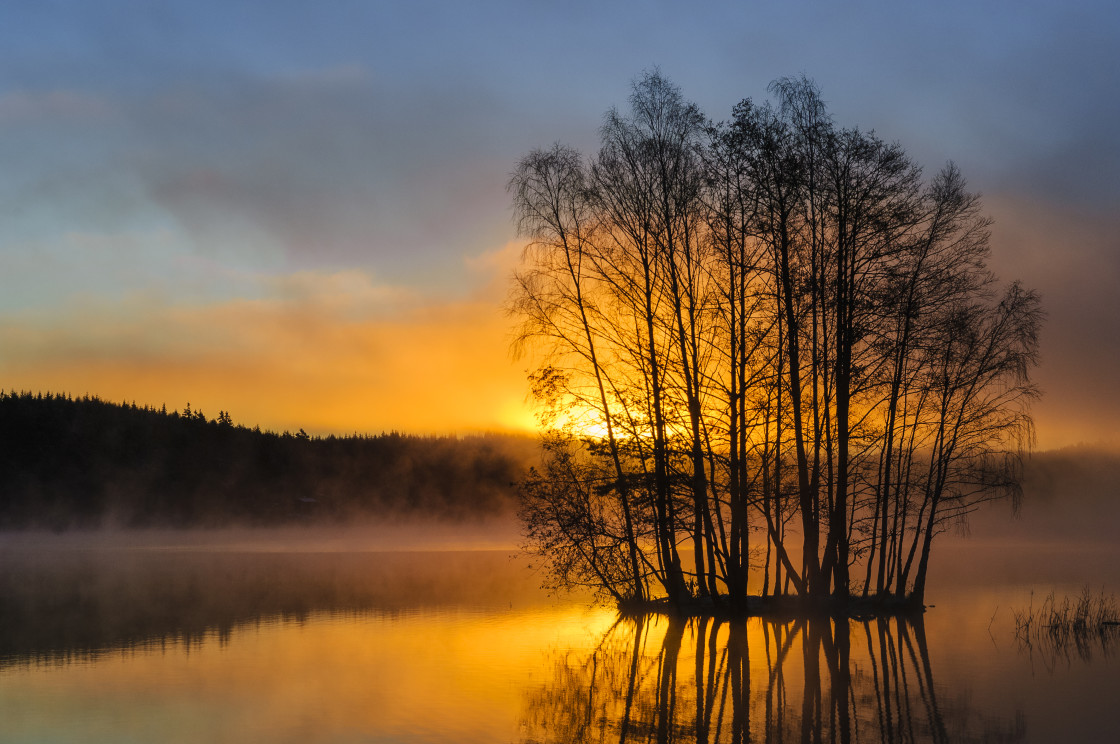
(425,631)
(1063,531)
(394,533)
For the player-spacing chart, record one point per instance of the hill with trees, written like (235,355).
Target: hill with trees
(85,463)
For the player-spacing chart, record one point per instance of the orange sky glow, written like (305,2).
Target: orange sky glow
(336,352)
(328,356)
(301,218)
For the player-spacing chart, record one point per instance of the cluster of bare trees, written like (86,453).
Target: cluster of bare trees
(772,358)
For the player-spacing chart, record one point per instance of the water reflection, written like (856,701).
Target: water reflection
(61,605)
(673,680)
(1065,629)
(242,645)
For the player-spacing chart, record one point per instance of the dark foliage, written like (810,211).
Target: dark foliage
(83,462)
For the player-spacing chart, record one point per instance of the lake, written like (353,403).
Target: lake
(282,637)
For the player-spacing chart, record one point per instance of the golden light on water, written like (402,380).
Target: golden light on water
(463,647)
(413,677)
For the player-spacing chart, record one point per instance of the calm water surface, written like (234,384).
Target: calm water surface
(247,642)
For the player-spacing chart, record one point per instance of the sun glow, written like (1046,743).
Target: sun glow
(307,359)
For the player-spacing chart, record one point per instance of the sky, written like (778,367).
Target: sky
(297,212)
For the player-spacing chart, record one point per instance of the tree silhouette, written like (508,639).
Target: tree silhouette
(768,327)
(84,463)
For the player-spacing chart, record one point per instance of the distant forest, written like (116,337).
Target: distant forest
(85,463)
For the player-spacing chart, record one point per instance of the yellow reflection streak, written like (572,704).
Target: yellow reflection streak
(454,676)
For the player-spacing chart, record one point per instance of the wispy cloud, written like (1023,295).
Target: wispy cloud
(330,352)
(35,107)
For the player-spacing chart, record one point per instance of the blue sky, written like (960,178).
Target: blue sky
(230,202)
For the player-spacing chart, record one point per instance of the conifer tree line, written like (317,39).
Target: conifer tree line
(82,463)
(771,357)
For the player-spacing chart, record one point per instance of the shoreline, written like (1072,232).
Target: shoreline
(785,606)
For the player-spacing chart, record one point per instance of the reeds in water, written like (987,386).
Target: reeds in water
(1087,623)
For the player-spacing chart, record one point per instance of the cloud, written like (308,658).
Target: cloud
(329,352)
(331,167)
(318,166)
(84,266)
(35,107)
(346,294)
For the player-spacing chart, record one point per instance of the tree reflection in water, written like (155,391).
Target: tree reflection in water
(658,679)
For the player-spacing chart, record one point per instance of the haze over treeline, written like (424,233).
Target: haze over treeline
(1069,495)
(84,463)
